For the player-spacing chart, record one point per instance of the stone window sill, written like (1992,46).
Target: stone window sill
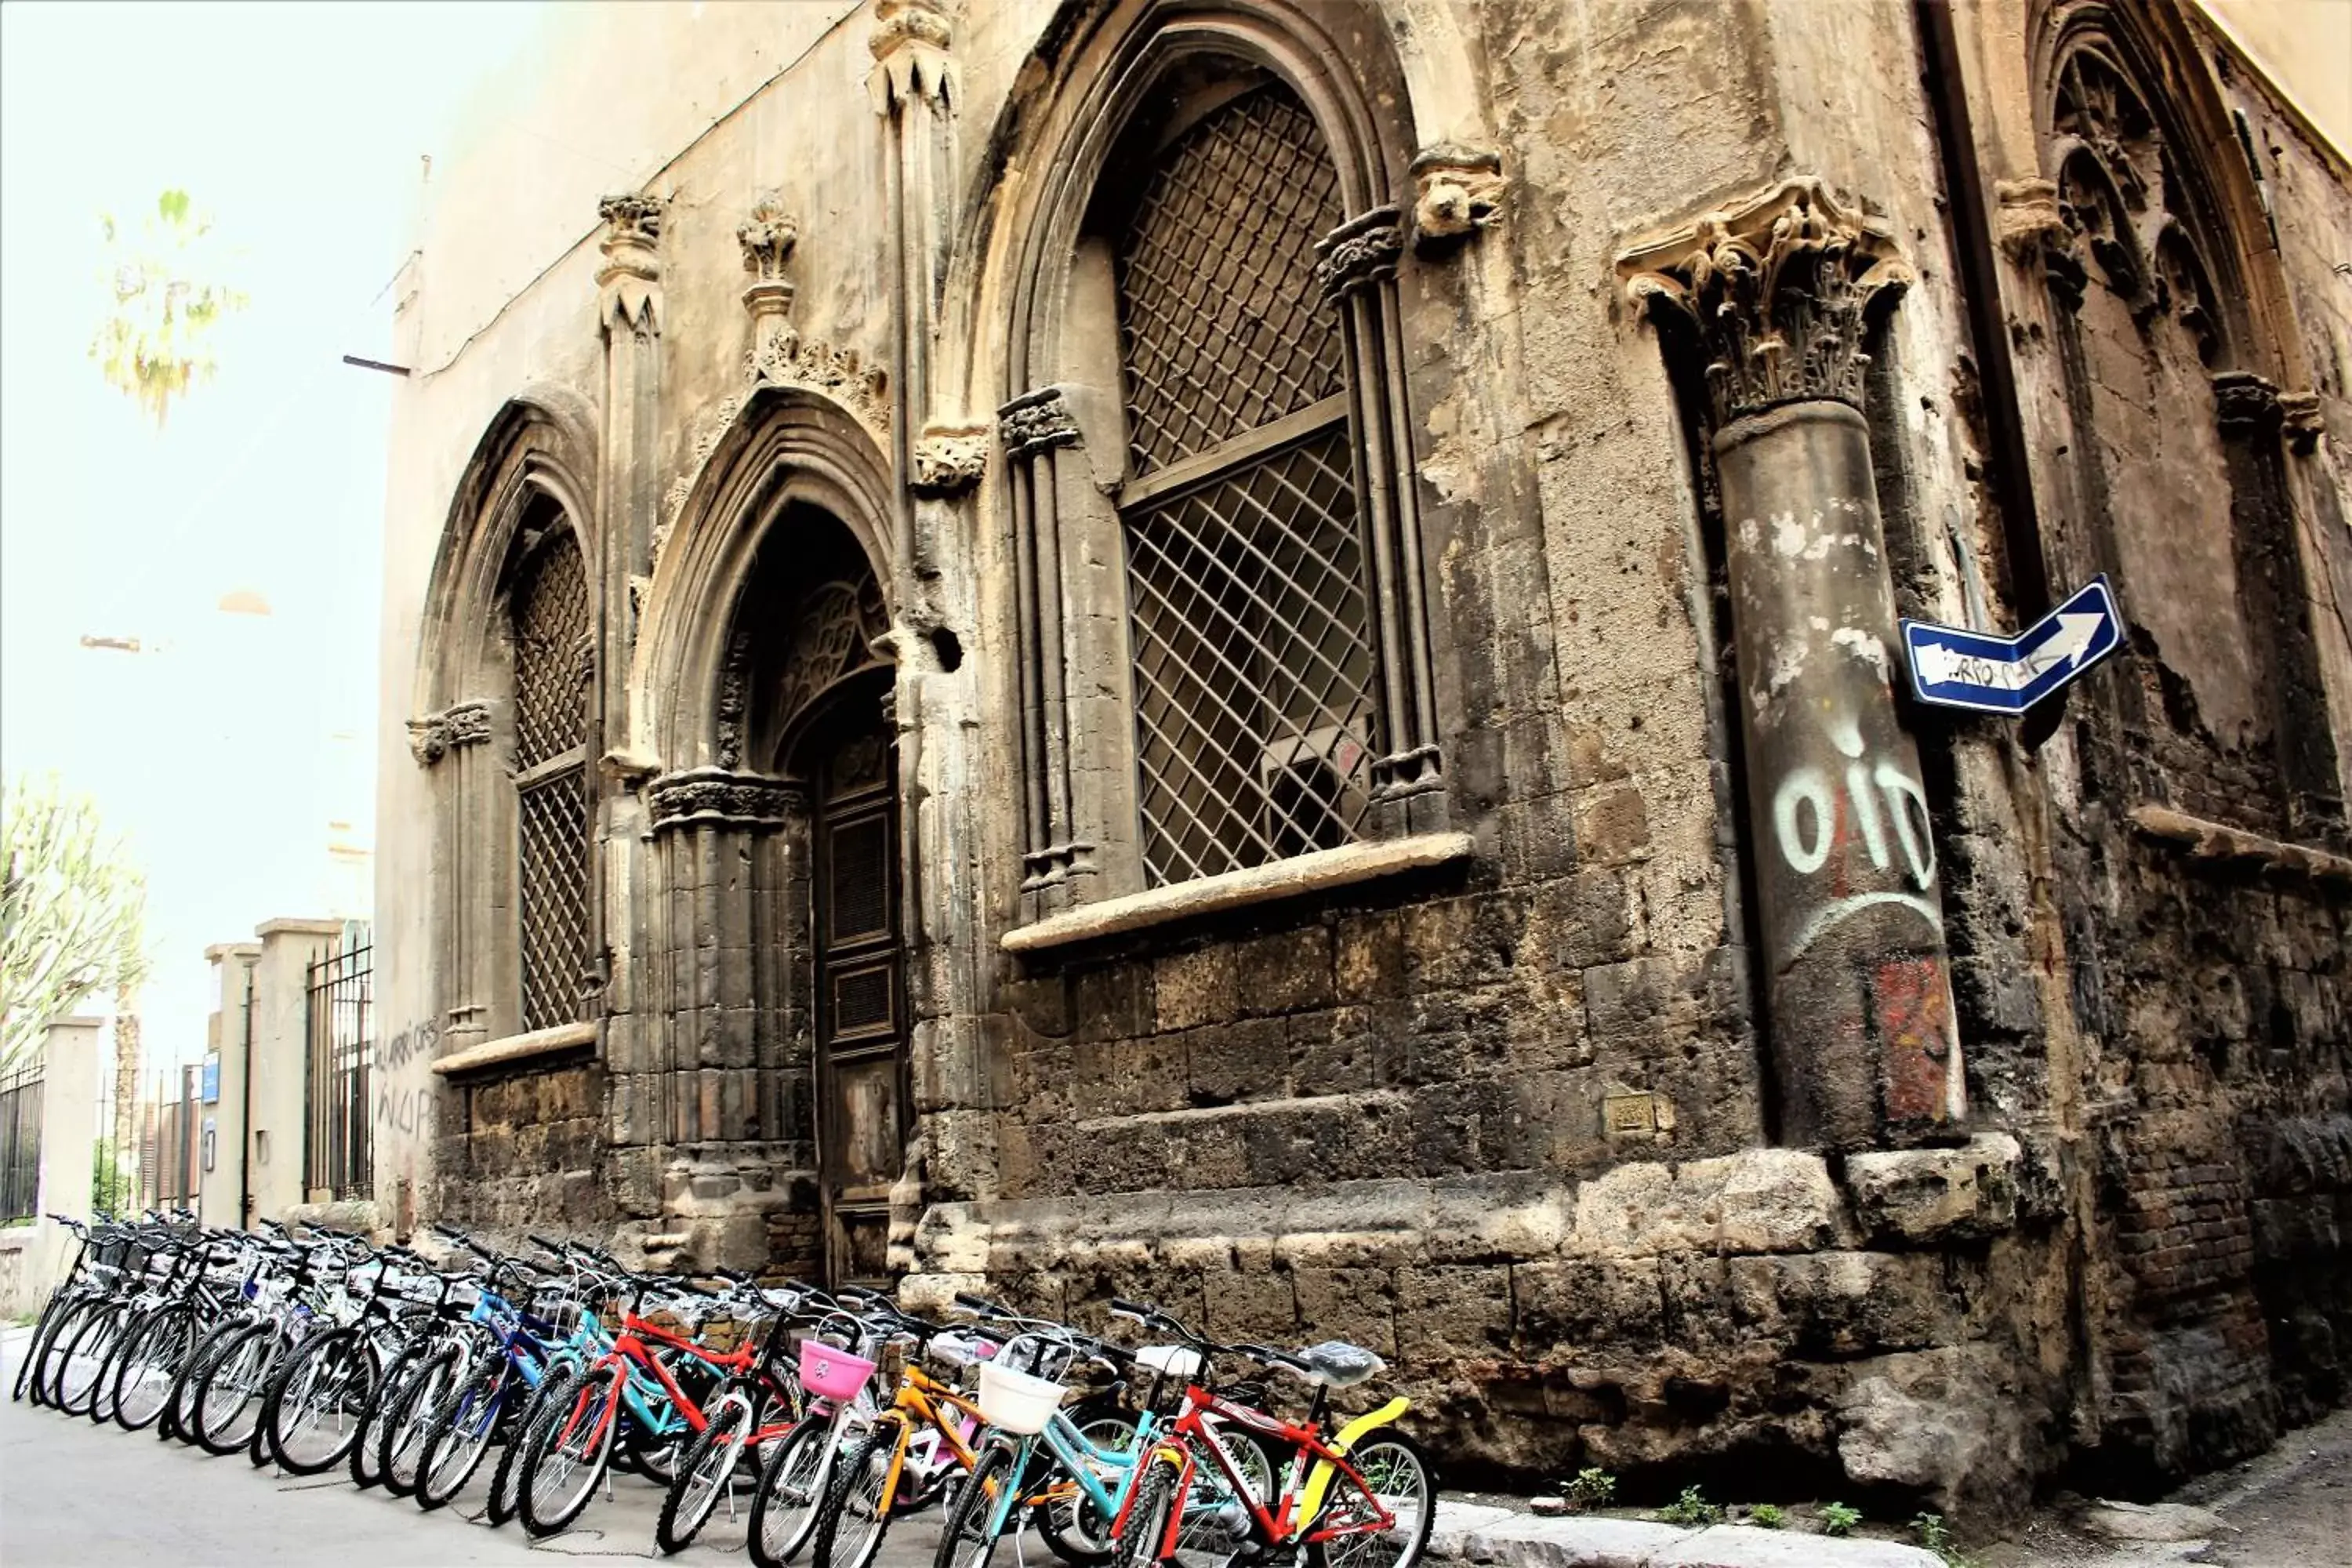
(514,1048)
(1298,877)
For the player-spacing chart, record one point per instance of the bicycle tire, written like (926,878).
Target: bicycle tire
(1372,1456)
(241,1371)
(53,1310)
(705,1472)
(859,1495)
(347,1380)
(365,1472)
(86,1356)
(102,1399)
(152,1362)
(1146,1526)
(800,1476)
(966,1540)
(400,1438)
(215,1340)
(506,1497)
(463,1433)
(1076,1531)
(592,1420)
(46,1377)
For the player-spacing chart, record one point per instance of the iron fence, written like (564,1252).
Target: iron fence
(169,1132)
(20,1143)
(337,1157)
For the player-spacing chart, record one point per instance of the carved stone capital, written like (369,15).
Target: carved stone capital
(2244,403)
(436,735)
(630,279)
(1036,422)
(950,459)
(909,45)
(1362,249)
(2029,219)
(717,796)
(2305,421)
(1780,291)
(1456,191)
(767,237)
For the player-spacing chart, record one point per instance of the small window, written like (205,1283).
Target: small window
(553,661)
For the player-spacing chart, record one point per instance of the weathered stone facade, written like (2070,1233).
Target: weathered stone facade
(1408,824)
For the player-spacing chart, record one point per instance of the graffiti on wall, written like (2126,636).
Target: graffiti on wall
(1839,829)
(400,1106)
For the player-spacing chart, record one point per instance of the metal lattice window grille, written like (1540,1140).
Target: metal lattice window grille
(552,650)
(1256,677)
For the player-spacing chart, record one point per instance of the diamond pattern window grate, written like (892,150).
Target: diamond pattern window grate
(551,629)
(1221,325)
(554,827)
(1254,674)
(550,686)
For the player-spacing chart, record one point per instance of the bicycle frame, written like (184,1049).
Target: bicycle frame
(917,1404)
(1292,1517)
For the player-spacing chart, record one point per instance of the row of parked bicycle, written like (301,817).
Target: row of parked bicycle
(827,1414)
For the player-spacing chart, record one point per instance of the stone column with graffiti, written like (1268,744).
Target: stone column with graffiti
(1774,297)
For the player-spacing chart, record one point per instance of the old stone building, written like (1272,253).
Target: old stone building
(1245,650)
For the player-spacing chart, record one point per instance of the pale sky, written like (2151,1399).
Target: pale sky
(230,747)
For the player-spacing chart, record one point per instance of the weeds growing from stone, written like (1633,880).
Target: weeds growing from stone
(1592,1487)
(1767,1516)
(1692,1510)
(1839,1520)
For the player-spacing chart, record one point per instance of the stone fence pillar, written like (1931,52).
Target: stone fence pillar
(69,1137)
(1776,296)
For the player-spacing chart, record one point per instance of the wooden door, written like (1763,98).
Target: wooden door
(860,999)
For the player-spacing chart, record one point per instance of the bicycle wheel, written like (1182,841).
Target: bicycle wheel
(559,1474)
(1071,1527)
(704,1473)
(454,1448)
(311,1416)
(1397,1474)
(1216,1521)
(506,1482)
(792,1491)
(365,1463)
(856,1514)
(101,1396)
(152,1358)
(86,1355)
(225,1406)
(968,1538)
(44,1328)
(400,1441)
(47,1357)
(1148,1514)
(179,1406)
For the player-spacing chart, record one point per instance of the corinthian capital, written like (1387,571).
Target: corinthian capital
(1780,291)
(630,279)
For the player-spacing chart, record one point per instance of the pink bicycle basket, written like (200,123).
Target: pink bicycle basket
(831,1373)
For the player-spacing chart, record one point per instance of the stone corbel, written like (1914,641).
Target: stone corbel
(909,45)
(2029,220)
(436,735)
(630,280)
(1056,864)
(1456,192)
(1780,289)
(2246,403)
(951,459)
(1364,248)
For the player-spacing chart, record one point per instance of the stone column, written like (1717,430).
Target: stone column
(452,743)
(1777,294)
(68,1131)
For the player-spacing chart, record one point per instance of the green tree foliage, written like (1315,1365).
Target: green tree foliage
(169,294)
(71,907)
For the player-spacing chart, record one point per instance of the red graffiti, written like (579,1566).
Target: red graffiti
(1912,998)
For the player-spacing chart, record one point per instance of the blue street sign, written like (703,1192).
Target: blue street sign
(1956,668)
(210,1092)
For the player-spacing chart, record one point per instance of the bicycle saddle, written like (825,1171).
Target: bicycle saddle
(1336,1363)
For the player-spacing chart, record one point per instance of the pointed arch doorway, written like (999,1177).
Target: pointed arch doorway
(818,692)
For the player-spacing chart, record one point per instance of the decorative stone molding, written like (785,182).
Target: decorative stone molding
(841,374)
(630,279)
(909,46)
(951,459)
(2028,219)
(1780,289)
(2246,403)
(734,680)
(1357,252)
(767,237)
(436,735)
(2305,419)
(1036,422)
(707,429)
(1456,191)
(719,795)
(1057,863)
(1407,773)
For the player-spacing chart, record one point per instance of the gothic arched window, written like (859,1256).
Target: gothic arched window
(553,659)
(1250,625)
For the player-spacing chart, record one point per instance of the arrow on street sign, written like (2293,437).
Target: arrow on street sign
(1953,667)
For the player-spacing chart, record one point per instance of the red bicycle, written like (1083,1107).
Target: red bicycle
(1359,1497)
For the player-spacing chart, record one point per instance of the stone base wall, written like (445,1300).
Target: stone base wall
(525,1150)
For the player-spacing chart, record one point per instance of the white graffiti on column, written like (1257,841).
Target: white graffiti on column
(1888,811)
